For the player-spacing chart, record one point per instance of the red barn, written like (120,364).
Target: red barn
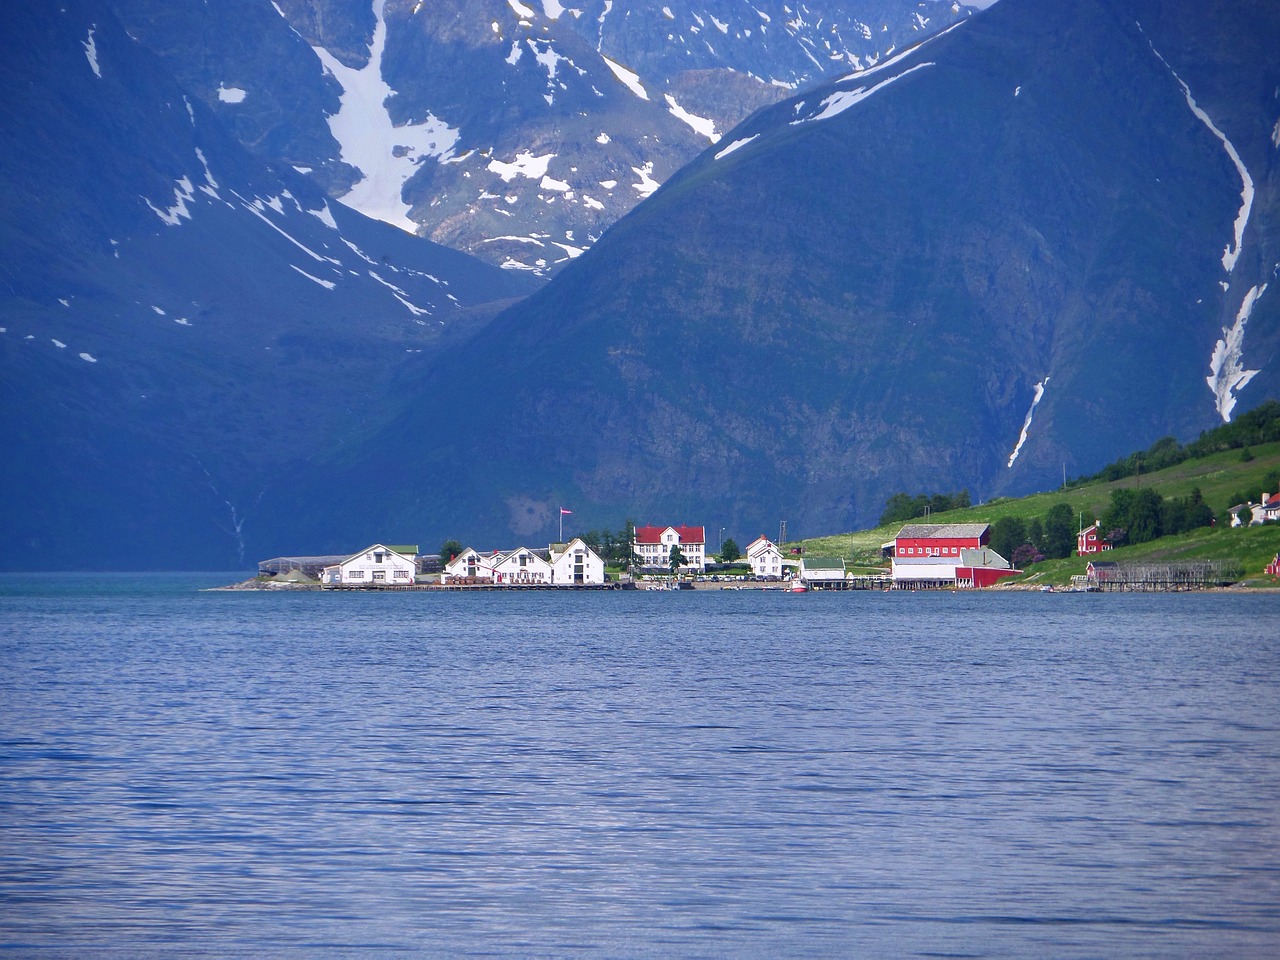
(947,553)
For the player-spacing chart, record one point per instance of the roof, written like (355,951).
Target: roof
(942,531)
(404,549)
(373,547)
(823,563)
(686,534)
(983,557)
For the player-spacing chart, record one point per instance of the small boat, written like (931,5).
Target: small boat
(798,586)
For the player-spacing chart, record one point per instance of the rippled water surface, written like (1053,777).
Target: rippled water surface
(636,774)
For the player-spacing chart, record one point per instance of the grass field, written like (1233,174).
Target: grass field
(1220,477)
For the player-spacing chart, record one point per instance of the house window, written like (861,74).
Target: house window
(377,557)
(355,574)
(402,574)
(379,574)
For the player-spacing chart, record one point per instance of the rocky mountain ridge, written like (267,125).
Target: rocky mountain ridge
(514,131)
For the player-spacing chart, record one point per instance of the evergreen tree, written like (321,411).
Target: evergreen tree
(1059,531)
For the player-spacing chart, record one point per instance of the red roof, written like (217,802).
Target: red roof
(686,534)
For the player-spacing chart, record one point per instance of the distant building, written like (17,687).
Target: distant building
(1090,540)
(982,567)
(653,545)
(522,566)
(820,571)
(375,566)
(1267,509)
(946,554)
(765,558)
(575,563)
(1101,571)
(469,565)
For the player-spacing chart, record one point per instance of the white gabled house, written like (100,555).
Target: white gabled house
(575,563)
(765,558)
(375,566)
(521,566)
(471,565)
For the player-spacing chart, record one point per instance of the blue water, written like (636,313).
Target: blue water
(187,773)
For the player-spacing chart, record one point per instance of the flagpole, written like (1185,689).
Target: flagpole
(561,540)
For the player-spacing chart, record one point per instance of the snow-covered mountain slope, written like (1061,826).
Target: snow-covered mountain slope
(517,131)
(1030,244)
(178,320)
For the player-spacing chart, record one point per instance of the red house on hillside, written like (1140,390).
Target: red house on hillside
(1090,540)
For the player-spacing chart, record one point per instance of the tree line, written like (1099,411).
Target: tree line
(1260,425)
(1132,516)
(902,507)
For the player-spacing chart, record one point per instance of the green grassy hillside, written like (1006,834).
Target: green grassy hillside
(1221,478)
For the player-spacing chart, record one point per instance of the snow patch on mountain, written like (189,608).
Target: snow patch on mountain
(842,100)
(736,145)
(1026,424)
(701,125)
(327,284)
(629,79)
(524,165)
(91,52)
(646,184)
(1232,252)
(1227,375)
(387,155)
(183,192)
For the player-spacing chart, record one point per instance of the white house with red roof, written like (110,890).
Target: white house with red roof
(653,545)
(1266,510)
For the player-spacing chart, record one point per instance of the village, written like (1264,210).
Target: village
(923,556)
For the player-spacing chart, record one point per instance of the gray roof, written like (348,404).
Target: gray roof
(944,531)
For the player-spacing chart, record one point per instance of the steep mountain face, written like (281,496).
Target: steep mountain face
(1026,246)
(514,131)
(178,321)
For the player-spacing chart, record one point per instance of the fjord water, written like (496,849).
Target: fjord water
(635,774)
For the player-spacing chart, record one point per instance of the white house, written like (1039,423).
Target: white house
(653,545)
(470,564)
(1267,509)
(575,563)
(376,566)
(765,558)
(521,566)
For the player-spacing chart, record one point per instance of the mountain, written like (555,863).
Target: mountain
(516,131)
(1035,241)
(179,321)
